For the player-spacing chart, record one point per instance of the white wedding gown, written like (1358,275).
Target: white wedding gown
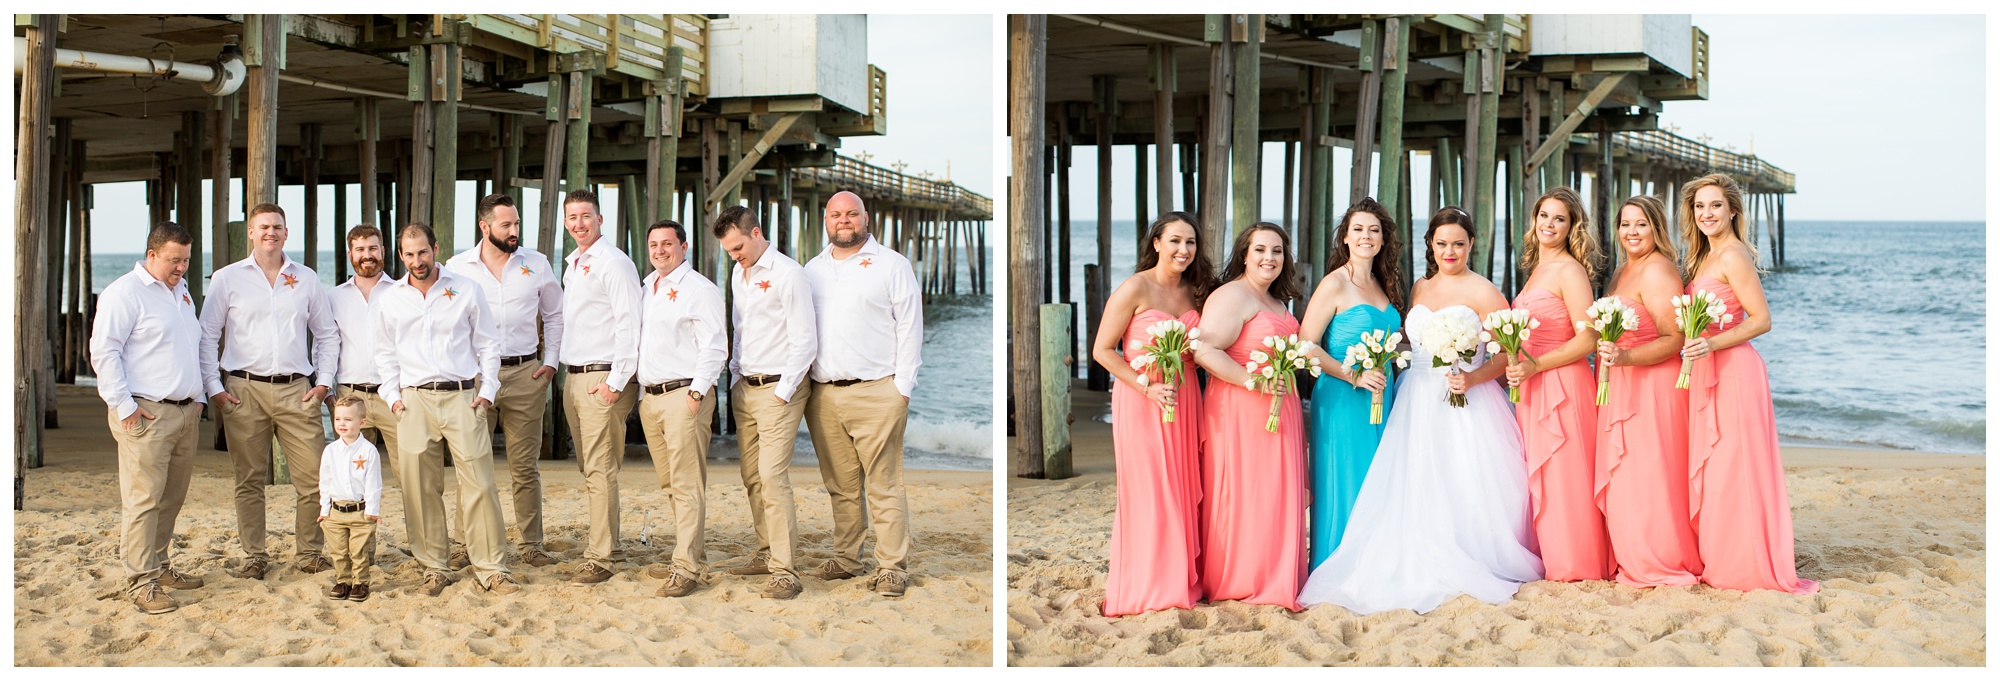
(1444,509)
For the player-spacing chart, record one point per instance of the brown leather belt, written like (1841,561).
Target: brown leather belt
(178,403)
(842,383)
(445,385)
(348,506)
(669,386)
(362,387)
(517,361)
(587,368)
(762,379)
(287,378)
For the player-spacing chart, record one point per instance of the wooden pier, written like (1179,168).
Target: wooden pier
(1528,99)
(676,110)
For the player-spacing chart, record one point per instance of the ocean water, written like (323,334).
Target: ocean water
(1878,330)
(951,416)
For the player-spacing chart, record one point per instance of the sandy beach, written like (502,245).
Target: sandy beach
(1897,540)
(69,610)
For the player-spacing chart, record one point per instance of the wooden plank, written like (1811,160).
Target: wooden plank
(1366,117)
(1214,172)
(1106,109)
(1027,45)
(193,138)
(309,148)
(1056,360)
(261,172)
(1245,148)
(1485,208)
(1164,82)
(448,88)
(31,218)
(742,167)
(1560,135)
(1395,77)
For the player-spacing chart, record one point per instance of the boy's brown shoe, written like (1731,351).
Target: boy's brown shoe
(339,592)
(358,594)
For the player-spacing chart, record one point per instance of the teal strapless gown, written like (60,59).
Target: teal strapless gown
(1340,439)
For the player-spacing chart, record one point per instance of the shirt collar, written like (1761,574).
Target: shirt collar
(147,275)
(593,251)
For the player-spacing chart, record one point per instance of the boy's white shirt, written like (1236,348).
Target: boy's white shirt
(340,478)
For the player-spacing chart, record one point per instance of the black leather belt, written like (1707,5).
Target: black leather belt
(587,368)
(362,387)
(517,361)
(669,386)
(178,403)
(445,385)
(349,506)
(287,378)
(842,383)
(761,379)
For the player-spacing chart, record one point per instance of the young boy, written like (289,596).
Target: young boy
(350,500)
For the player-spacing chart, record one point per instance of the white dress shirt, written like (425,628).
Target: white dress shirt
(865,306)
(350,473)
(267,324)
(602,286)
(143,342)
(773,315)
(527,286)
(680,333)
(446,336)
(354,315)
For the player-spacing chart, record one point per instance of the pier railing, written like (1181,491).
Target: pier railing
(1754,171)
(879,182)
(634,44)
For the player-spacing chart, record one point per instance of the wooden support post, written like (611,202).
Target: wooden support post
(193,138)
(1215,147)
(75,334)
(88,306)
(1485,209)
(1517,221)
(260,173)
(1190,155)
(1105,106)
(48,276)
(312,152)
(1062,234)
(220,170)
(1055,394)
(551,190)
(1323,211)
(340,228)
(1368,109)
(418,184)
(1139,202)
(576,153)
(1307,154)
(711,166)
(31,218)
(1781,230)
(367,133)
(1164,81)
(1095,291)
(1605,205)
(1395,77)
(1027,47)
(1446,173)
(447,87)
(1291,189)
(1246,147)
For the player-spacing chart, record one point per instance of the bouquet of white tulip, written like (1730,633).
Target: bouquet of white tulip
(1172,342)
(1377,350)
(1272,370)
(1693,313)
(1611,318)
(1451,340)
(1505,331)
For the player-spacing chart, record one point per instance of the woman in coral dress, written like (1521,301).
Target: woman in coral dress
(1558,409)
(1155,536)
(1642,430)
(1736,479)
(1361,293)
(1253,480)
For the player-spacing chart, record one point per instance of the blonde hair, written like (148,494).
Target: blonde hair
(1698,248)
(1582,239)
(1656,217)
(351,401)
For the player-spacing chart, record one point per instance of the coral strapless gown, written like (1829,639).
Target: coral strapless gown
(1736,478)
(1641,459)
(1558,416)
(1156,535)
(1254,485)
(1342,441)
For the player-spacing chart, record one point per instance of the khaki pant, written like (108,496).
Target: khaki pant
(430,417)
(598,430)
(266,407)
(857,432)
(678,441)
(766,429)
(350,540)
(155,461)
(520,405)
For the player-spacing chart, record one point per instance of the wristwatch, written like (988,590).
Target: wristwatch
(696,394)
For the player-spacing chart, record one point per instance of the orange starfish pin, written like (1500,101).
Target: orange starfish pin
(586,268)
(186,299)
(866,262)
(360,464)
(525,270)
(290,281)
(765,284)
(673,294)
(450,293)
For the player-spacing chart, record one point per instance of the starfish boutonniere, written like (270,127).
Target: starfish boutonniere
(360,464)
(866,262)
(186,299)
(673,294)
(764,285)
(586,268)
(450,293)
(290,281)
(525,270)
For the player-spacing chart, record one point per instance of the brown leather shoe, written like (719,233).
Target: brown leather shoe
(314,564)
(177,581)
(254,568)
(501,584)
(434,583)
(590,573)
(782,586)
(677,585)
(759,565)
(536,557)
(890,584)
(358,594)
(830,571)
(154,600)
(459,559)
(659,571)
(339,592)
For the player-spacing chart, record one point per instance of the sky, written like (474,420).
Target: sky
(940,120)
(1849,104)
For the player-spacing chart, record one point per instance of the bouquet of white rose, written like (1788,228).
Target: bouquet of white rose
(1450,340)
(1611,318)
(1693,313)
(1505,331)
(1271,370)
(1167,354)
(1377,350)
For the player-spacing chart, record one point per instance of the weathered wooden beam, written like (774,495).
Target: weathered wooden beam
(1106,109)
(1485,209)
(576,153)
(1164,82)
(1027,52)
(261,175)
(310,149)
(1056,360)
(1216,146)
(1246,150)
(742,167)
(31,217)
(1395,78)
(552,163)
(1060,234)
(1367,112)
(1139,202)
(192,139)
(1324,212)
(48,277)
(447,87)
(1559,137)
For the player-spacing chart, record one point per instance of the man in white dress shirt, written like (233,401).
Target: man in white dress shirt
(354,315)
(436,345)
(871,336)
(260,310)
(682,350)
(519,285)
(599,285)
(142,346)
(773,349)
